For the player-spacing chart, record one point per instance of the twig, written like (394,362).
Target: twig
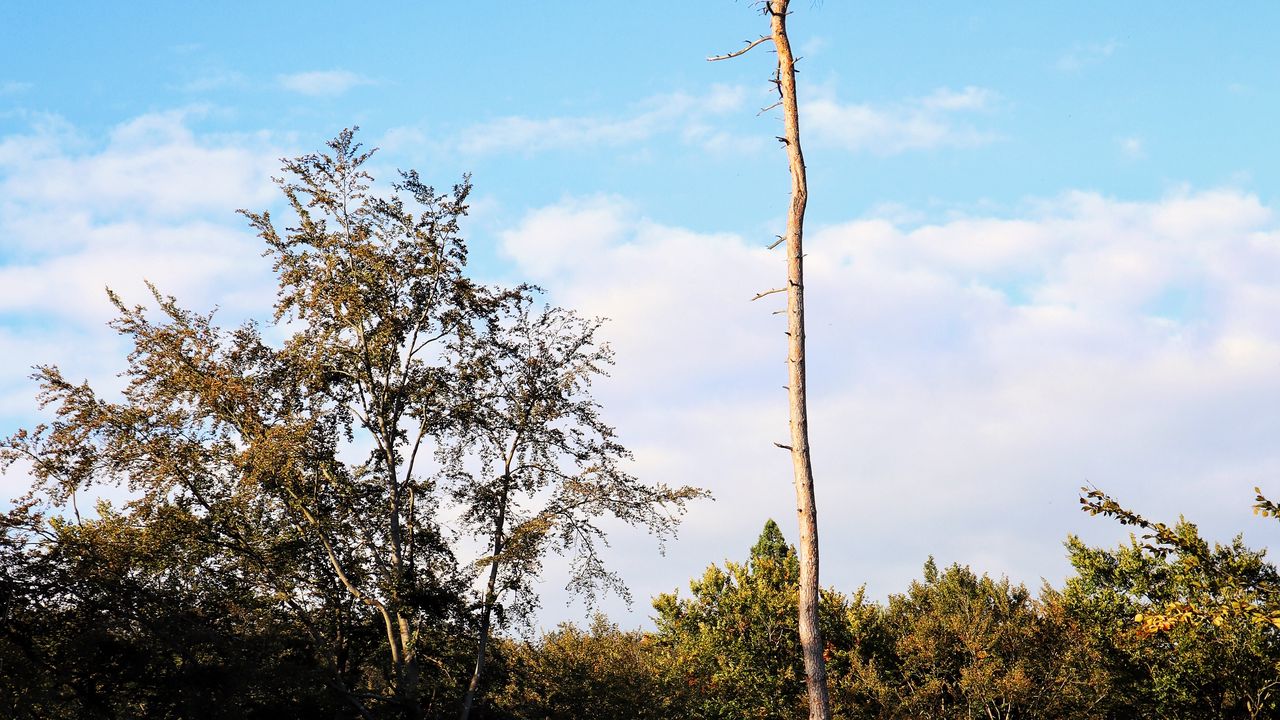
(767,109)
(767,292)
(743,51)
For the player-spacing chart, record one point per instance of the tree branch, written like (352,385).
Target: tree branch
(743,51)
(767,293)
(764,110)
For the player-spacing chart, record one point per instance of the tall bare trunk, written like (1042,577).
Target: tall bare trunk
(802,467)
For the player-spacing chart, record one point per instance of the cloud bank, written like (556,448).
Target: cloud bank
(967,377)
(153,202)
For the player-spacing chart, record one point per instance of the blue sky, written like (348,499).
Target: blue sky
(1043,240)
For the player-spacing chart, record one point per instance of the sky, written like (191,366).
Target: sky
(1043,248)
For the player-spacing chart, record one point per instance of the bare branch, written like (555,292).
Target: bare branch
(743,51)
(777,242)
(767,109)
(767,293)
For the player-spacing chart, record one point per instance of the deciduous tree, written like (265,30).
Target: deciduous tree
(302,462)
(537,469)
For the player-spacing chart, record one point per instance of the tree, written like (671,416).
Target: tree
(801,462)
(301,463)
(1190,628)
(970,646)
(536,468)
(732,649)
(100,618)
(303,467)
(1227,587)
(600,671)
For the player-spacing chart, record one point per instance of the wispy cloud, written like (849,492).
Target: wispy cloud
(682,114)
(1132,147)
(969,98)
(323,83)
(13,87)
(701,121)
(1082,56)
(886,129)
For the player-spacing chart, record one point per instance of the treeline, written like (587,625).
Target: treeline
(953,645)
(117,622)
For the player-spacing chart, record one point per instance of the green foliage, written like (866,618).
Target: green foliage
(956,645)
(104,619)
(732,650)
(1186,628)
(600,672)
(1218,585)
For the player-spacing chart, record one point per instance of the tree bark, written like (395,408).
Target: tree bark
(490,596)
(802,467)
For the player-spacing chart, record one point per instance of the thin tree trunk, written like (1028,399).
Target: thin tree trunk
(490,597)
(473,687)
(408,687)
(810,633)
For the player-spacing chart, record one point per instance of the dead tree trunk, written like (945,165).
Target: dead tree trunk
(802,467)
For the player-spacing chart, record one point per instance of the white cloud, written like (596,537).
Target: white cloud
(152,201)
(966,377)
(323,83)
(13,87)
(920,124)
(152,164)
(969,98)
(1083,56)
(676,113)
